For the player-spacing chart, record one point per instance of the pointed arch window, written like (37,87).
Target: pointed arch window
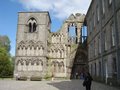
(32,25)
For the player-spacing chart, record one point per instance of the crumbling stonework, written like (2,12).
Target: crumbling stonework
(40,52)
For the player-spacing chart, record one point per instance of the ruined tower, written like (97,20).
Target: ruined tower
(42,53)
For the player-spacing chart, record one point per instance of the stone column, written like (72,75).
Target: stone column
(78,33)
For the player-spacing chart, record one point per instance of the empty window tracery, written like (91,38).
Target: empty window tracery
(32,25)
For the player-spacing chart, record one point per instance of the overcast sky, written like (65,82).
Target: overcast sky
(59,10)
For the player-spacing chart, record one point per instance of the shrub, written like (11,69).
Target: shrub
(48,77)
(35,78)
(7,77)
(22,78)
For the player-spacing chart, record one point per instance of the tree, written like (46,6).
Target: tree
(6,68)
(5,42)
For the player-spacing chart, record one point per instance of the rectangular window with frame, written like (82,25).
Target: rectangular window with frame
(114,67)
(95,69)
(93,50)
(89,51)
(99,45)
(90,27)
(99,68)
(103,6)
(112,34)
(110,2)
(91,69)
(105,41)
(98,14)
(95,47)
(94,20)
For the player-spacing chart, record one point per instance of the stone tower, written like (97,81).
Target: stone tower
(31,44)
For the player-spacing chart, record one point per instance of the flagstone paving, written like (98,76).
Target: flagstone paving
(50,85)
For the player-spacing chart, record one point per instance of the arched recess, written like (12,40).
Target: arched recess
(55,65)
(24,66)
(79,63)
(41,50)
(72,33)
(58,53)
(21,48)
(30,65)
(62,67)
(19,65)
(32,25)
(53,38)
(37,65)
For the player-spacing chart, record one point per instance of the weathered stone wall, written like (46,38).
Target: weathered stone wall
(103,40)
(31,47)
(42,52)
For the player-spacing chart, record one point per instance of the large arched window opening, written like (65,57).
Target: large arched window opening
(72,33)
(84,33)
(32,25)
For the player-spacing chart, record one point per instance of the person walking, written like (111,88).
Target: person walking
(87,81)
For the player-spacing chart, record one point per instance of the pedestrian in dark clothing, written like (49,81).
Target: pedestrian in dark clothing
(87,81)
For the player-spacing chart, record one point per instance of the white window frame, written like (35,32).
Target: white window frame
(113,34)
(98,14)
(99,45)
(103,6)
(110,1)
(105,41)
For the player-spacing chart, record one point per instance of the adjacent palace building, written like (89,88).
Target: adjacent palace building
(103,23)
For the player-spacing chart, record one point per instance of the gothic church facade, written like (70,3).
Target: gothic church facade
(40,52)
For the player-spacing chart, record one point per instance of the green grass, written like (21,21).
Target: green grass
(6,78)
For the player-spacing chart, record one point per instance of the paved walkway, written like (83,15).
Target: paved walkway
(50,85)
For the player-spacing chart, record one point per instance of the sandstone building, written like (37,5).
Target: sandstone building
(40,52)
(103,22)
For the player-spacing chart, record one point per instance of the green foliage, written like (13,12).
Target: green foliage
(6,67)
(48,77)
(74,46)
(5,42)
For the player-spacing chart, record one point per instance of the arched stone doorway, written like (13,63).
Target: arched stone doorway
(80,62)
